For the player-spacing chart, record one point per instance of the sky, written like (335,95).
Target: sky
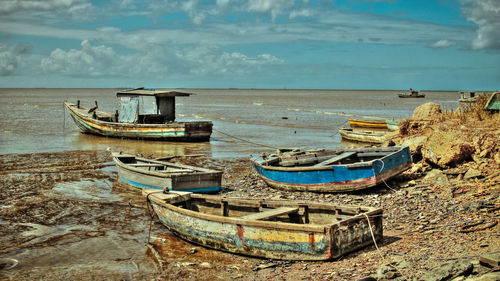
(280,44)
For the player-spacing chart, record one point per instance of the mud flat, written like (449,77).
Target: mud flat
(65,216)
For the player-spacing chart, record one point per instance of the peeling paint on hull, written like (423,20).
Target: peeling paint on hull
(324,238)
(336,178)
(179,131)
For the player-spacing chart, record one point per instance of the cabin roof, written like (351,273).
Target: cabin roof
(153,93)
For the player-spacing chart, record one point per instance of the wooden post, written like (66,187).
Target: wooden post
(78,104)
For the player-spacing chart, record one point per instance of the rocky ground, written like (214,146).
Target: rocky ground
(65,216)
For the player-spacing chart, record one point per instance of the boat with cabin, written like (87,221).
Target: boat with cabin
(131,120)
(412,94)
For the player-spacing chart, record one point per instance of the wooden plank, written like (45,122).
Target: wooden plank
(373,154)
(490,259)
(335,158)
(271,213)
(145,165)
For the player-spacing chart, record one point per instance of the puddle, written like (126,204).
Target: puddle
(44,233)
(109,167)
(87,189)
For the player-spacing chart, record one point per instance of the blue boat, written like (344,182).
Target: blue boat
(333,170)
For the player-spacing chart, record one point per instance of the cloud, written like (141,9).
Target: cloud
(207,60)
(300,13)
(441,44)
(486,14)
(77,9)
(10,56)
(274,7)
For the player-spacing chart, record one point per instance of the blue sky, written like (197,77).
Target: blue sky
(307,44)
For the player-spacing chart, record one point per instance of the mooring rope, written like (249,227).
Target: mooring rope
(244,140)
(380,252)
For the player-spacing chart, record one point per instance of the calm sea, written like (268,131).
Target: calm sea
(246,122)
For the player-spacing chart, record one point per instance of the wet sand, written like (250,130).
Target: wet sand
(66,216)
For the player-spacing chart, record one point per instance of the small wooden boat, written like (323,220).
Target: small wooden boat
(289,230)
(493,103)
(468,97)
(412,94)
(375,137)
(377,124)
(148,173)
(131,122)
(333,170)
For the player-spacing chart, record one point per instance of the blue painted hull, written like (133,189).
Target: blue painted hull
(336,178)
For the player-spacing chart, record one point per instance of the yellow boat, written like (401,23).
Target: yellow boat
(368,123)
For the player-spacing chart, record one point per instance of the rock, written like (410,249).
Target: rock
(205,265)
(449,270)
(415,143)
(492,276)
(390,271)
(426,110)
(472,173)
(193,250)
(437,176)
(445,149)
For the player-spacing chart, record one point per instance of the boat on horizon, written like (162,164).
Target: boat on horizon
(333,170)
(272,229)
(412,94)
(131,120)
(157,174)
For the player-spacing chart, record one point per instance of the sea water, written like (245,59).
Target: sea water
(246,122)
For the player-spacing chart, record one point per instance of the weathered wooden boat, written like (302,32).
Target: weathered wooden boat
(375,137)
(377,124)
(468,97)
(333,170)
(289,230)
(392,124)
(412,94)
(493,103)
(149,173)
(131,121)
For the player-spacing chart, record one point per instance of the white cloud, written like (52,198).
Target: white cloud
(274,7)
(77,9)
(441,44)
(301,13)
(486,14)
(207,60)
(10,56)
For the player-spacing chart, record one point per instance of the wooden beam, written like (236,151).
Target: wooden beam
(271,213)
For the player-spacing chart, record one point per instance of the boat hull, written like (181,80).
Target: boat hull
(336,178)
(202,182)
(175,131)
(376,137)
(270,239)
(368,124)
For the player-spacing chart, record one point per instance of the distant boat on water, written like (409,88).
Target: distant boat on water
(130,121)
(467,97)
(412,94)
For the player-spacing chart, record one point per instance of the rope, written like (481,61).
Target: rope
(381,169)
(380,252)
(151,212)
(244,140)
